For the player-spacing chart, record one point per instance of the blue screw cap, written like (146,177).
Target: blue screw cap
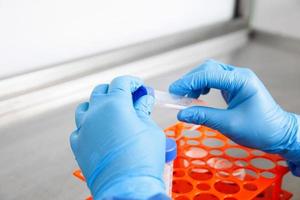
(171,150)
(141,91)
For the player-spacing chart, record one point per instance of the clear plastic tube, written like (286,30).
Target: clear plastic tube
(171,152)
(165,99)
(168,177)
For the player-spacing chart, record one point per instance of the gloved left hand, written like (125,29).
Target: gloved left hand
(118,147)
(252,118)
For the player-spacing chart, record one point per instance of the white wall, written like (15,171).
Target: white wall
(277,16)
(36,33)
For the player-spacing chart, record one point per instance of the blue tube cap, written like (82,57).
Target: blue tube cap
(171,150)
(141,91)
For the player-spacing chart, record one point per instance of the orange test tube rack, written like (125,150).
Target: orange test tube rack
(209,166)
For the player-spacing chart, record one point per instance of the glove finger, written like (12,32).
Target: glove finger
(209,65)
(73,140)
(80,112)
(98,91)
(211,117)
(205,91)
(125,85)
(196,94)
(143,106)
(223,80)
(226,96)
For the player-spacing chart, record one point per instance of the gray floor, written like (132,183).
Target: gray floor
(36,161)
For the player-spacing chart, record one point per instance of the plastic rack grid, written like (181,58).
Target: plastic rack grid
(209,166)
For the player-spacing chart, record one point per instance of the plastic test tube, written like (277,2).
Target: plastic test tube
(164,99)
(168,100)
(171,152)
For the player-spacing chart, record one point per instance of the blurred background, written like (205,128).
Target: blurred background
(52,53)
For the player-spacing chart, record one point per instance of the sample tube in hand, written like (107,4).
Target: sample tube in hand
(166,99)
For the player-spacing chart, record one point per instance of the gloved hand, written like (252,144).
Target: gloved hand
(252,118)
(118,147)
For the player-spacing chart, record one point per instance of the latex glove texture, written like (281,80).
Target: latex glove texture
(118,147)
(252,118)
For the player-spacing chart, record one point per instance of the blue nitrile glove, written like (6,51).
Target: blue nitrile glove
(118,147)
(252,118)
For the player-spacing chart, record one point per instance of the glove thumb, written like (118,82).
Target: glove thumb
(143,106)
(210,117)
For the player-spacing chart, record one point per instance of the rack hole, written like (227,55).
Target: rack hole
(250,186)
(282,163)
(181,186)
(227,187)
(198,162)
(219,163)
(268,175)
(178,173)
(223,174)
(196,152)
(181,163)
(170,133)
(205,196)
(215,152)
(210,133)
(245,174)
(203,186)
(213,142)
(236,153)
(193,142)
(262,163)
(191,133)
(261,196)
(240,163)
(200,174)
(257,153)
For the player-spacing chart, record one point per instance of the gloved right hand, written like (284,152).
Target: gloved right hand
(252,118)
(119,148)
